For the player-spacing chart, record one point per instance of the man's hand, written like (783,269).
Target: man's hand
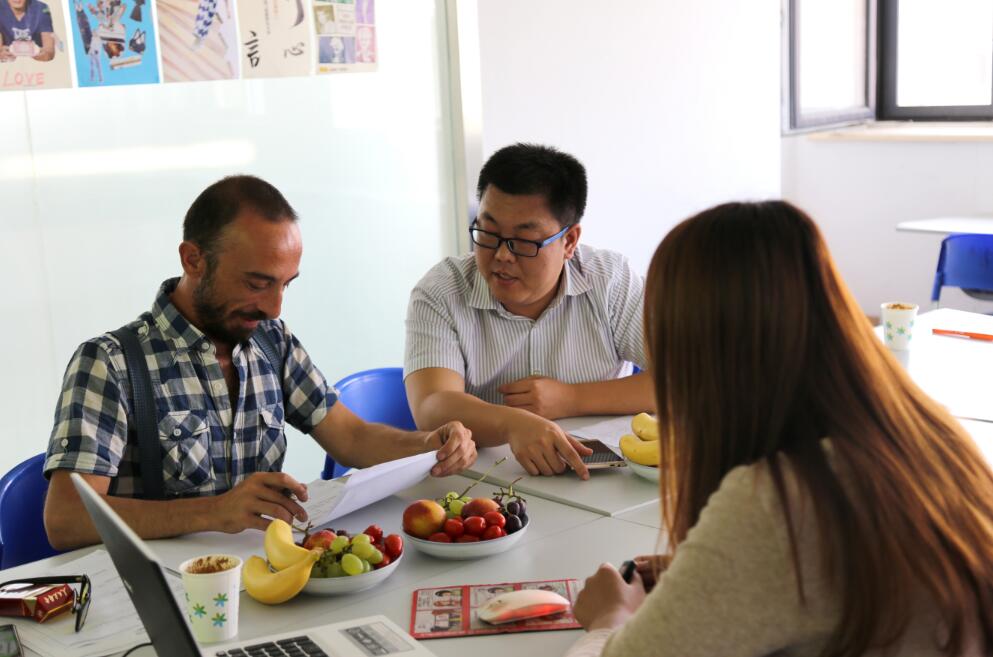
(546,397)
(607,601)
(458,451)
(542,447)
(262,493)
(6,55)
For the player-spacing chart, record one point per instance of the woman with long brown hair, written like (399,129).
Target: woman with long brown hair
(815,501)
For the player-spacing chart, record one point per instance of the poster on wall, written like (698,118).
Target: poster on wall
(346,35)
(275,38)
(114,42)
(32,45)
(198,39)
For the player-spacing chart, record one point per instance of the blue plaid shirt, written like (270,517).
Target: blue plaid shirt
(207,446)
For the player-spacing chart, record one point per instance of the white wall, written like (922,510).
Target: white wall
(858,191)
(673,106)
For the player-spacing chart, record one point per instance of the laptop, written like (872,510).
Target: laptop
(165,623)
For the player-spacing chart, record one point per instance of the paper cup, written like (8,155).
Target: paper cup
(898,324)
(212,597)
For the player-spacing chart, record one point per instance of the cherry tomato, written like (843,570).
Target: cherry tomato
(494,519)
(394,545)
(385,562)
(467,538)
(475,525)
(493,532)
(454,527)
(440,537)
(375,532)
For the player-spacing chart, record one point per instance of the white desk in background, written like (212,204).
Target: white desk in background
(956,372)
(949,225)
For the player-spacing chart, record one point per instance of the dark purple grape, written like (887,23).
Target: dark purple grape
(513,524)
(523,504)
(523,517)
(513,508)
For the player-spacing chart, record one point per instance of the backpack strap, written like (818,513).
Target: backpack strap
(144,415)
(271,351)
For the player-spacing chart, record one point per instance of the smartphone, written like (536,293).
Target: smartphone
(10,644)
(602,456)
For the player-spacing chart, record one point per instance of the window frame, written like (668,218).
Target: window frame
(801,121)
(887,109)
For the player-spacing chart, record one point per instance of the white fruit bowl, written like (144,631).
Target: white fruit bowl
(350,583)
(649,472)
(464,551)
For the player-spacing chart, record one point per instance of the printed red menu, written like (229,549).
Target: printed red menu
(450,611)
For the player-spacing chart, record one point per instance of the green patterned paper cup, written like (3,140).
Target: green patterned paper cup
(211,584)
(898,324)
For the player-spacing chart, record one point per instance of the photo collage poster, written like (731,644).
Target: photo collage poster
(113,42)
(198,40)
(33,45)
(346,35)
(275,38)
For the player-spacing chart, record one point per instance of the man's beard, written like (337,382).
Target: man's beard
(212,314)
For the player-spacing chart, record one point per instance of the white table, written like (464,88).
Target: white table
(956,372)
(949,225)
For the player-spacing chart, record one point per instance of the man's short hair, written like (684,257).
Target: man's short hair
(535,169)
(219,204)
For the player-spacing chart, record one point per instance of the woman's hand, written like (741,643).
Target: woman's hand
(607,601)
(650,567)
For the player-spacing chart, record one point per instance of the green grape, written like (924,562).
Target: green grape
(465,499)
(352,565)
(375,557)
(339,544)
(335,570)
(455,506)
(363,550)
(451,495)
(317,570)
(361,538)
(366,567)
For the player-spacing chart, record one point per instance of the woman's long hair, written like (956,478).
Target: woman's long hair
(759,352)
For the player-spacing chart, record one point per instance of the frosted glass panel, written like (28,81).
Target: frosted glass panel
(944,53)
(96,182)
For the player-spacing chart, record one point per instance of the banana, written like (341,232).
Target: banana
(642,452)
(280,549)
(273,588)
(645,426)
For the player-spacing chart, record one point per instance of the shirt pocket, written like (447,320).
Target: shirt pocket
(272,439)
(186,463)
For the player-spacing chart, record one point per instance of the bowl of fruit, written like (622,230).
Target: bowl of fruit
(641,450)
(352,562)
(324,563)
(460,527)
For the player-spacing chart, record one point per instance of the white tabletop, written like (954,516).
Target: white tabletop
(948,225)
(954,371)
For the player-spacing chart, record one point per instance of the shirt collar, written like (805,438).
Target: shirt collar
(574,283)
(174,327)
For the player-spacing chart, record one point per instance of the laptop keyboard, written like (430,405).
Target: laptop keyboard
(298,646)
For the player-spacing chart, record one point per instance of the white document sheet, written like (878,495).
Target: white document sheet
(607,429)
(112,625)
(334,498)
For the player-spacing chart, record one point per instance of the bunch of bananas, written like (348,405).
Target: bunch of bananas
(643,446)
(292,565)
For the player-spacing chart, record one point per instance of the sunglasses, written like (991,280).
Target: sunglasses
(81,605)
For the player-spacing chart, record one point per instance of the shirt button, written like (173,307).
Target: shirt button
(177,432)
(535,372)
(143,330)
(65,442)
(205,346)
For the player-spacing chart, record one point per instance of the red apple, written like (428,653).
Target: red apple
(479,506)
(423,518)
(321,539)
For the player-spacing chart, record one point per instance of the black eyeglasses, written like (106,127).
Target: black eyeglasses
(80,606)
(516,245)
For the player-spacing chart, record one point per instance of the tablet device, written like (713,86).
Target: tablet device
(602,456)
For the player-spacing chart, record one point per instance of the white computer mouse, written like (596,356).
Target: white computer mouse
(522,605)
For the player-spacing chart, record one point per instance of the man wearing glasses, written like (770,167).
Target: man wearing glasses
(533,326)
(220,399)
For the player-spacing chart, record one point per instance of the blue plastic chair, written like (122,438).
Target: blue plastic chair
(375,396)
(965,261)
(22,505)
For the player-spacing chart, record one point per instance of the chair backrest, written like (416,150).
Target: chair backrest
(375,396)
(965,261)
(22,505)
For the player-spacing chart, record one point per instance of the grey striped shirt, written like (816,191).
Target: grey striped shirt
(592,330)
